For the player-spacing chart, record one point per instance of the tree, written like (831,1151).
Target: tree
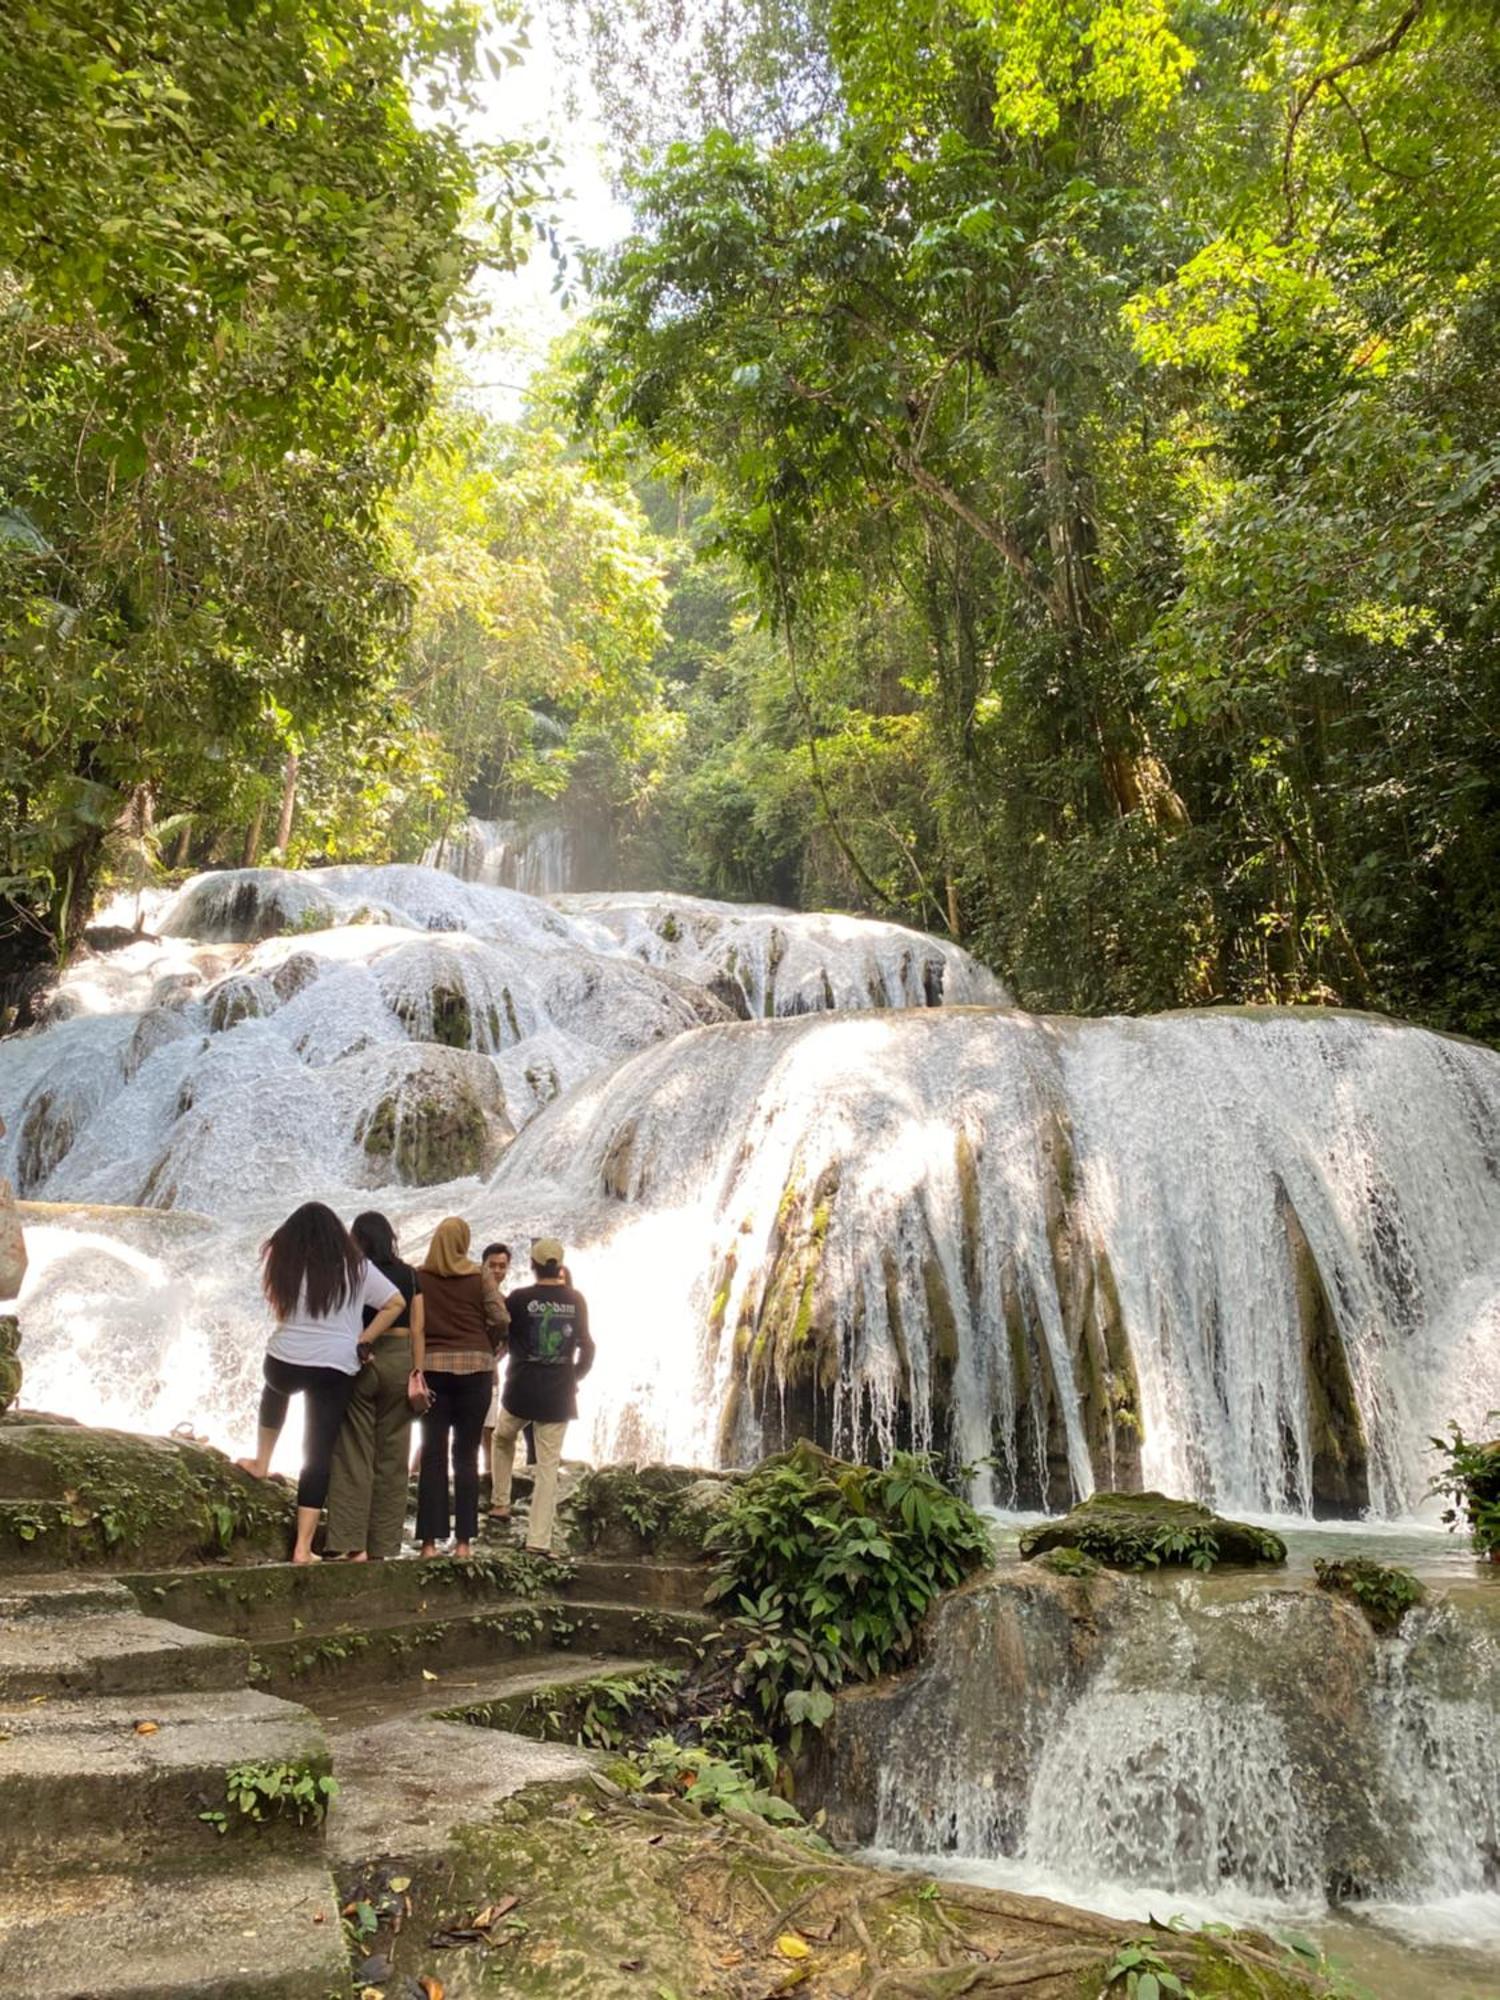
(229,250)
(1123,363)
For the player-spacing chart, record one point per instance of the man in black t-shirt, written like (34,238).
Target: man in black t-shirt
(550,1353)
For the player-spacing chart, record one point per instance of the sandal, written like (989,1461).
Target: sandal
(500,1513)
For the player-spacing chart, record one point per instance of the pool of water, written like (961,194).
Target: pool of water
(1424,1547)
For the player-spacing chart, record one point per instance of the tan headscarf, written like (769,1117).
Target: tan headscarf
(448,1253)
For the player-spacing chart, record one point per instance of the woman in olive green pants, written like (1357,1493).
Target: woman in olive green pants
(367,1491)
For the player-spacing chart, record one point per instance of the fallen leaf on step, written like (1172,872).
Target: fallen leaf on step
(427,1676)
(147,1728)
(432,1988)
(488,1917)
(319,1917)
(793,1947)
(399,1884)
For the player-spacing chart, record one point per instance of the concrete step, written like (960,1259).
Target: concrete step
(402,1651)
(481,1692)
(113,1652)
(281,1600)
(61,1594)
(82,1782)
(267,1932)
(404,1784)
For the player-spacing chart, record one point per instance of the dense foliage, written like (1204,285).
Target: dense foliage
(1384,1593)
(1470,1483)
(1095,403)
(229,250)
(827,1570)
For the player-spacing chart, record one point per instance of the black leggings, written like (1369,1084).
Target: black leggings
(460,1404)
(327,1392)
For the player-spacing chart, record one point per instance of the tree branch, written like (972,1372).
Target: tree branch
(1302,100)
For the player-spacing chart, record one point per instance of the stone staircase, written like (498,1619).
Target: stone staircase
(117,1733)
(125,1702)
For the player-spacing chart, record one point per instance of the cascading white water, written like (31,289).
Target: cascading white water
(942,1143)
(1251,1751)
(1069,1246)
(335,1033)
(507,854)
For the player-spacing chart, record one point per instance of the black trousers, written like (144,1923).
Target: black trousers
(326,1392)
(460,1404)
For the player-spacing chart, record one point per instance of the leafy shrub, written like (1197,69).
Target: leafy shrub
(1470,1481)
(1385,1595)
(1068,1562)
(829,1569)
(709,1781)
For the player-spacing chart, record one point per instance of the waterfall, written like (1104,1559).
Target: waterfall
(507,853)
(348,1033)
(1195,1744)
(1250,1257)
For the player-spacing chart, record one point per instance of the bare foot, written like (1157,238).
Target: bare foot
(429,1550)
(251,1466)
(308,1557)
(461,1551)
(358,1556)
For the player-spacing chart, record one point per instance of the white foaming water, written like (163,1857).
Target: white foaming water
(765,961)
(1202,1770)
(507,854)
(237,1059)
(940,1138)
(957,1178)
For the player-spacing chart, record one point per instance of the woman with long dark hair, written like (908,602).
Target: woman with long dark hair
(367,1490)
(466,1321)
(317,1284)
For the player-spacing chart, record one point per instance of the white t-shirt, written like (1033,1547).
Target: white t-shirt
(330,1342)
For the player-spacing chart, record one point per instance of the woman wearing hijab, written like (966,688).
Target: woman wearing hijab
(465,1324)
(318,1283)
(367,1491)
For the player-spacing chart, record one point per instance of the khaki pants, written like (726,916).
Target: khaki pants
(549,1438)
(367,1491)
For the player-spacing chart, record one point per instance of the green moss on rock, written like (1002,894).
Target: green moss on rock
(10,1360)
(1145,1530)
(74,1496)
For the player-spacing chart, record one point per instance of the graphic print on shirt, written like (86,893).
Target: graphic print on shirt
(551,1330)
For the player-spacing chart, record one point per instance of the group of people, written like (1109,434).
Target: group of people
(371,1343)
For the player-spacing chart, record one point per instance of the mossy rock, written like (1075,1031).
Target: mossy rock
(74,1496)
(1148,1530)
(1384,1593)
(10,1361)
(428,1113)
(662,1511)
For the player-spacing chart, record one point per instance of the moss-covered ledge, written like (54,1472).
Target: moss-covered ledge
(1149,1530)
(73,1496)
(660,1512)
(593,1891)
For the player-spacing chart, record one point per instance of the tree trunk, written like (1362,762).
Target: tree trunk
(288,803)
(251,848)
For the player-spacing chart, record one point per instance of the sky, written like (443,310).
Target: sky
(537,99)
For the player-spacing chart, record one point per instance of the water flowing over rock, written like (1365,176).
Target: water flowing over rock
(1244,1257)
(272,1036)
(1247,1257)
(763,961)
(536,859)
(1189,1738)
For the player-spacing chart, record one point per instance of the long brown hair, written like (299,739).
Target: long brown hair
(311,1257)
